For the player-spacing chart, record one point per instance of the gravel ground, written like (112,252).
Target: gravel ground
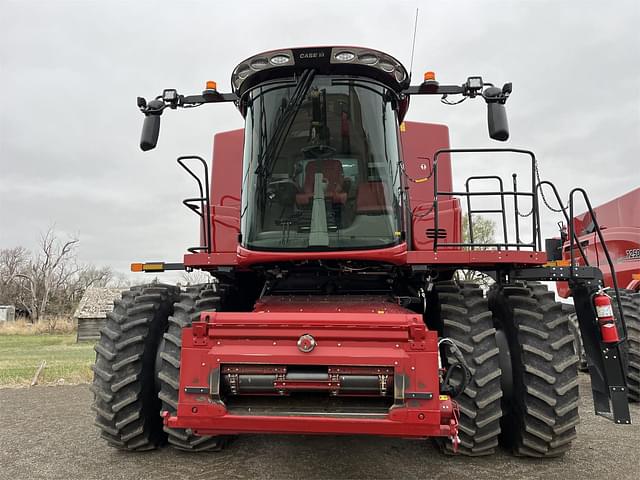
(47,432)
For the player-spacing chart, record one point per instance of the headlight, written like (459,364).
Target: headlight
(386,66)
(368,59)
(243,73)
(280,59)
(345,56)
(400,76)
(259,63)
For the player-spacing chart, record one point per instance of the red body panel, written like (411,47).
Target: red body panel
(396,255)
(477,257)
(619,220)
(420,141)
(355,332)
(226,175)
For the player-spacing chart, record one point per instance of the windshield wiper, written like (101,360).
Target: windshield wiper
(281,130)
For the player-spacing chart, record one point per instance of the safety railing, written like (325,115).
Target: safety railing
(501,193)
(201,205)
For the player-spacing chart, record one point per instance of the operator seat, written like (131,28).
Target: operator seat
(334,176)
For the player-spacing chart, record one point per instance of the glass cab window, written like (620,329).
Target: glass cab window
(321,166)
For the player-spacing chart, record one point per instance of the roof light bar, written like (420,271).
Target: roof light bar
(325,60)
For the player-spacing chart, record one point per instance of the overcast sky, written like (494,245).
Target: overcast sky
(70,72)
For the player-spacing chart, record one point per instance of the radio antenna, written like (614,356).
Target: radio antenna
(413,45)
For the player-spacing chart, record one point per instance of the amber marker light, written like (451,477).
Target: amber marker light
(429,76)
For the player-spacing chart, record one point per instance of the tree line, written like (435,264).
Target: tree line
(49,280)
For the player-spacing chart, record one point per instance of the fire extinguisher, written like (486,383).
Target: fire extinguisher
(606,320)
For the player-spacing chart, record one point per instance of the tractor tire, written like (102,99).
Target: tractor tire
(467,320)
(574,327)
(124,383)
(542,411)
(196,299)
(631,308)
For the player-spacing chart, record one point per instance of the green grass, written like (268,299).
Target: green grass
(20,356)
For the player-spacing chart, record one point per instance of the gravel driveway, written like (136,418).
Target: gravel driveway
(47,432)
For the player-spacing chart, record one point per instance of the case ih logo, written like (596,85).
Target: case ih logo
(306,343)
(312,55)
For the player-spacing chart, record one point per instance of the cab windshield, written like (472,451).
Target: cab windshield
(321,166)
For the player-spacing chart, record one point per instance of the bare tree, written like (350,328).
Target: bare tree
(85,277)
(119,280)
(13,261)
(48,272)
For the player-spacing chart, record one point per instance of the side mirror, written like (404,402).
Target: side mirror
(496,114)
(151,125)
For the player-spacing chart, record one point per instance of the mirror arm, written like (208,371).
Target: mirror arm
(432,88)
(157,106)
(207,97)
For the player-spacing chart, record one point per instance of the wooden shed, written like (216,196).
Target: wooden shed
(92,311)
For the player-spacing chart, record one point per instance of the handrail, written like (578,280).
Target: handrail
(566,217)
(204,209)
(598,231)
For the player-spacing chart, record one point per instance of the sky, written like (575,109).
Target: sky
(70,72)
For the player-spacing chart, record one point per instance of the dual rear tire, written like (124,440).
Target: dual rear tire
(524,391)
(136,374)
(126,403)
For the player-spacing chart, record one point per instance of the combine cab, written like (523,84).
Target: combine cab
(332,232)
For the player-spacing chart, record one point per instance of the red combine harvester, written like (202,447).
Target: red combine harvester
(332,232)
(620,226)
